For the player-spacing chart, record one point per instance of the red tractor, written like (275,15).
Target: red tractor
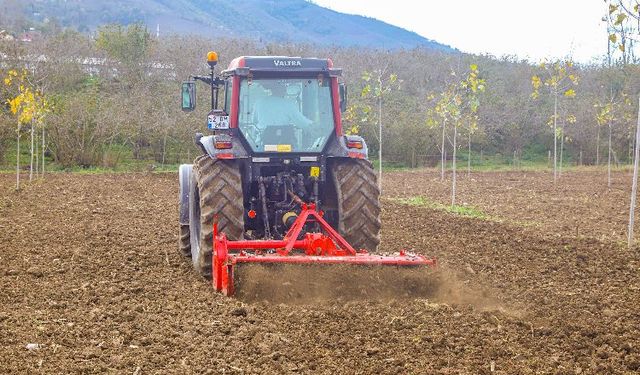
(277,174)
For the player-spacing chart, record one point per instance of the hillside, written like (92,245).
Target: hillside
(279,21)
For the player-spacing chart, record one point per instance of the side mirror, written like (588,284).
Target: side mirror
(343,97)
(188,95)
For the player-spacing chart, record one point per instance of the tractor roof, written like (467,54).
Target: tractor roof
(240,65)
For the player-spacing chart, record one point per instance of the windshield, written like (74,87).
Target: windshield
(286,115)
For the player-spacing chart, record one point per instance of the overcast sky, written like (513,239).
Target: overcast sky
(528,29)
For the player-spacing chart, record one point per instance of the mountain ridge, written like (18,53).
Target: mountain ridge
(298,21)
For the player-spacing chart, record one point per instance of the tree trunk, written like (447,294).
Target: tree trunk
(630,149)
(443,158)
(18,160)
(634,185)
(561,150)
(598,147)
(555,138)
(453,166)
(580,157)
(43,150)
(469,156)
(609,160)
(37,155)
(413,158)
(380,143)
(31,162)
(164,148)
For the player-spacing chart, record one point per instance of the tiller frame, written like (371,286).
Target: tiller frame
(314,248)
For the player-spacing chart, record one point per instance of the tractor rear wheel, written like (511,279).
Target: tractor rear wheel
(184,241)
(184,178)
(216,190)
(358,201)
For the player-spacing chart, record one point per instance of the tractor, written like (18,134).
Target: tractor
(278,181)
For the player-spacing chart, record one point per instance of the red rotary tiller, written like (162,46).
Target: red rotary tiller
(326,247)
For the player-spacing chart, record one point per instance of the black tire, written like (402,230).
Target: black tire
(216,189)
(184,241)
(358,201)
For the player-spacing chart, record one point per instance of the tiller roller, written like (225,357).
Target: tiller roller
(322,247)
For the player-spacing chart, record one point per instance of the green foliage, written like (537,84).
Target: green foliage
(378,85)
(462,210)
(458,104)
(128,44)
(107,114)
(561,79)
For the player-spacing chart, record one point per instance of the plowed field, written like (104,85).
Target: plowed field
(91,281)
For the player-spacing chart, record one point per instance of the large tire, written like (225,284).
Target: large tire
(184,178)
(358,201)
(184,241)
(216,190)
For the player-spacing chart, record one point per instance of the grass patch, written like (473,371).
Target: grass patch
(462,210)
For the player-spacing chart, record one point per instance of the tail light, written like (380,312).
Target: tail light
(354,144)
(222,143)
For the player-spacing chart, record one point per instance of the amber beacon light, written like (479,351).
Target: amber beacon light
(212,58)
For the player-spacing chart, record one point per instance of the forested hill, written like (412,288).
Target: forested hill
(264,20)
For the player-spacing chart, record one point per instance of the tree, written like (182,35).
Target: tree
(30,107)
(444,110)
(458,105)
(605,116)
(470,87)
(472,127)
(621,18)
(560,81)
(383,83)
(129,46)
(568,119)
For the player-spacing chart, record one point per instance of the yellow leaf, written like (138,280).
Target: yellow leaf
(570,93)
(613,38)
(612,8)
(535,82)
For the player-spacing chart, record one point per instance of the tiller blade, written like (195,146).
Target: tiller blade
(328,247)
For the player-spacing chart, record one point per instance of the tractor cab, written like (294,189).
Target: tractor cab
(282,104)
(276,104)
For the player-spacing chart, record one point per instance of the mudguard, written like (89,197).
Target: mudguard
(338,148)
(184,177)
(237,151)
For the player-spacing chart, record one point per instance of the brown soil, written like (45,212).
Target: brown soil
(90,271)
(579,205)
